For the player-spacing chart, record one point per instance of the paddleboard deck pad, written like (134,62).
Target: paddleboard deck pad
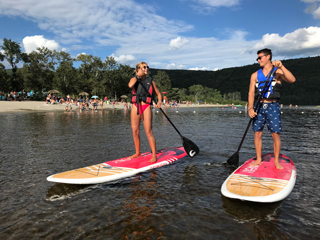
(262,183)
(118,169)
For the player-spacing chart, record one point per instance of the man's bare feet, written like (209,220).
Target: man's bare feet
(154,158)
(278,165)
(135,155)
(255,163)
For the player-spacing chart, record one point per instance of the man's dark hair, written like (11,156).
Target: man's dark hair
(266,51)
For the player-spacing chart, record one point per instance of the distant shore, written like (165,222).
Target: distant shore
(40,106)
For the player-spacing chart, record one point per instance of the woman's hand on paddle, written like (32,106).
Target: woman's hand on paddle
(158,105)
(252,113)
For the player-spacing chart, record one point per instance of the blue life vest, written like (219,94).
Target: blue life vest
(273,90)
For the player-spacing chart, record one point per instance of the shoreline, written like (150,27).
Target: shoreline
(41,106)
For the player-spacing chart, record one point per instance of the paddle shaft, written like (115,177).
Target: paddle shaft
(160,107)
(256,109)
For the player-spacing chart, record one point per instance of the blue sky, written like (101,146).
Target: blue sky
(175,34)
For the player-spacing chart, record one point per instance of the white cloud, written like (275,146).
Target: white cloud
(174,66)
(302,41)
(314,8)
(81,54)
(108,23)
(178,43)
(33,42)
(207,6)
(310,1)
(199,69)
(218,3)
(126,59)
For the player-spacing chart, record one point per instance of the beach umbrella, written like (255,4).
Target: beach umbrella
(53,91)
(164,92)
(124,96)
(83,94)
(94,96)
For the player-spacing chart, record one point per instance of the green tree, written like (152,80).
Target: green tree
(162,81)
(90,73)
(183,94)
(115,79)
(196,91)
(174,94)
(212,95)
(4,80)
(38,71)
(11,52)
(65,78)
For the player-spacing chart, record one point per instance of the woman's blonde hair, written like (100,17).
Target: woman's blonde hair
(139,66)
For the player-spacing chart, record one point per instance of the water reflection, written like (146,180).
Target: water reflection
(138,208)
(244,211)
(264,218)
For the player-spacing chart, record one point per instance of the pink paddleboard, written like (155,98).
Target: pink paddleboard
(262,183)
(118,169)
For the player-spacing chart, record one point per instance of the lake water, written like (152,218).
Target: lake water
(179,201)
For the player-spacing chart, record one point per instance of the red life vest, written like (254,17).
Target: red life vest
(140,94)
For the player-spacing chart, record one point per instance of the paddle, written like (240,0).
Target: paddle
(190,147)
(234,159)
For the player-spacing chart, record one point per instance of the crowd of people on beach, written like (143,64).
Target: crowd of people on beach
(83,103)
(16,96)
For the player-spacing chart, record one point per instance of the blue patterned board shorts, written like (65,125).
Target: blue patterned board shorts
(269,113)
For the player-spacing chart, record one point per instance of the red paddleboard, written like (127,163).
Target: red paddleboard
(262,183)
(118,169)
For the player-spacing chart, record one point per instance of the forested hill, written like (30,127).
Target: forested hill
(305,91)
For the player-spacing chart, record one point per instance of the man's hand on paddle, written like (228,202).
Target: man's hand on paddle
(277,64)
(252,113)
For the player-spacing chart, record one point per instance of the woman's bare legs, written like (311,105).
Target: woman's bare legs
(135,125)
(147,122)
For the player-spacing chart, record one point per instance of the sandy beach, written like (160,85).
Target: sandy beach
(40,106)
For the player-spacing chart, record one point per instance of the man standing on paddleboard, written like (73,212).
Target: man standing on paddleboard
(141,107)
(269,109)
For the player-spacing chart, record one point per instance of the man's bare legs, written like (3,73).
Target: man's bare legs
(276,149)
(258,146)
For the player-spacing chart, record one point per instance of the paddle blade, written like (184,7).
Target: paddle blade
(190,147)
(234,159)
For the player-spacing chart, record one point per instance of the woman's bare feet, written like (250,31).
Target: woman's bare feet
(135,155)
(154,158)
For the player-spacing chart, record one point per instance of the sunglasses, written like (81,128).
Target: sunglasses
(259,58)
(145,67)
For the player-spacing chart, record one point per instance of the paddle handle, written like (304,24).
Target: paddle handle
(160,107)
(256,108)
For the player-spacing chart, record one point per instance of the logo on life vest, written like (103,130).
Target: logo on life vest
(192,153)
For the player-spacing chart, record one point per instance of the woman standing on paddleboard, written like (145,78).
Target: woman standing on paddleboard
(141,107)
